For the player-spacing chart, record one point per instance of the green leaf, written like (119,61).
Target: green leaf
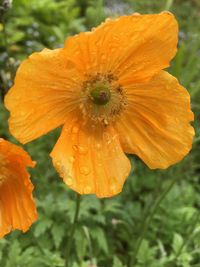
(146,253)
(42,225)
(117,262)
(58,232)
(177,242)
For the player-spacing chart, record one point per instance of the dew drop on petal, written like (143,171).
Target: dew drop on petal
(75,147)
(58,164)
(127,174)
(73,137)
(103,57)
(2,178)
(75,130)
(71,159)
(136,14)
(107,19)
(87,190)
(113,188)
(98,145)
(68,181)
(84,170)
(82,149)
(22,113)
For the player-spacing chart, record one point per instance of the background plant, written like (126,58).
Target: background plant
(108,230)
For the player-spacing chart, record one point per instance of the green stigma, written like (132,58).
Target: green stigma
(100,93)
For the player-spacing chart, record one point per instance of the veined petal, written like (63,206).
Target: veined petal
(156,125)
(45,90)
(90,159)
(132,47)
(17,207)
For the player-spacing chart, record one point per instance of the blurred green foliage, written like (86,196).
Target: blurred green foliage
(108,229)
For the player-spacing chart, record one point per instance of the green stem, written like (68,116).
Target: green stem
(73,228)
(169,4)
(148,220)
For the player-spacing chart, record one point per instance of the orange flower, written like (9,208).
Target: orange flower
(17,208)
(108,89)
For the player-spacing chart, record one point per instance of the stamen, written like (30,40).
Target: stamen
(103,98)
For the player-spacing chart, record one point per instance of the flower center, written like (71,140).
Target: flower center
(100,94)
(103,98)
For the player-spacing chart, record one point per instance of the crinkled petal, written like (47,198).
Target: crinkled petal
(45,90)
(156,125)
(17,207)
(131,47)
(90,159)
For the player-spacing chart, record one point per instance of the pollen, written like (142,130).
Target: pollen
(103,98)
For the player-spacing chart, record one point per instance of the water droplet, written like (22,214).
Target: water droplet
(69,181)
(9,228)
(84,170)
(113,188)
(58,164)
(136,14)
(73,137)
(98,145)
(75,147)
(87,190)
(75,130)
(71,159)
(127,174)
(82,149)
(2,178)
(103,57)
(107,19)
(116,38)
(22,113)
(108,139)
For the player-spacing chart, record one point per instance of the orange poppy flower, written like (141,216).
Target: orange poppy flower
(17,208)
(108,89)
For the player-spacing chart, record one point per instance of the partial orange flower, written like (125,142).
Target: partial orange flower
(17,208)
(108,89)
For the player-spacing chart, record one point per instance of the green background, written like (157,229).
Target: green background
(108,230)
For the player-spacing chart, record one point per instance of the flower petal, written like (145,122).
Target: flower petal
(90,159)
(45,90)
(156,125)
(136,46)
(17,207)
